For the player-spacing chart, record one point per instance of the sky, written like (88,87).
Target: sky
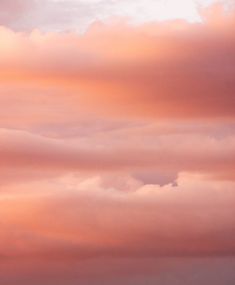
(117,142)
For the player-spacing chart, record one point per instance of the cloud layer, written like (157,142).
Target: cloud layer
(168,70)
(117,145)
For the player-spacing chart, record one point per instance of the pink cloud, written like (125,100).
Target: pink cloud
(128,71)
(72,218)
(117,147)
(12,10)
(22,152)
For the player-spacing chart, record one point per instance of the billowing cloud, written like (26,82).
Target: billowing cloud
(125,71)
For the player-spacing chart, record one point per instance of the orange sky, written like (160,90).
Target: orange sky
(117,145)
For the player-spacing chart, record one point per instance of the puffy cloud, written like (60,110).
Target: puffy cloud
(125,71)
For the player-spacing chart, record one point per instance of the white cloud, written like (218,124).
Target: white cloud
(60,15)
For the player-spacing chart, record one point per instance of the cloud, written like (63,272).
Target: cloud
(129,71)
(72,218)
(99,235)
(127,271)
(171,154)
(78,15)
(12,11)
(116,146)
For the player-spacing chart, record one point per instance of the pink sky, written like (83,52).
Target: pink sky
(117,142)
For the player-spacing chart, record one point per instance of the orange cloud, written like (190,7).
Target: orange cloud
(67,224)
(172,69)
(117,147)
(76,220)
